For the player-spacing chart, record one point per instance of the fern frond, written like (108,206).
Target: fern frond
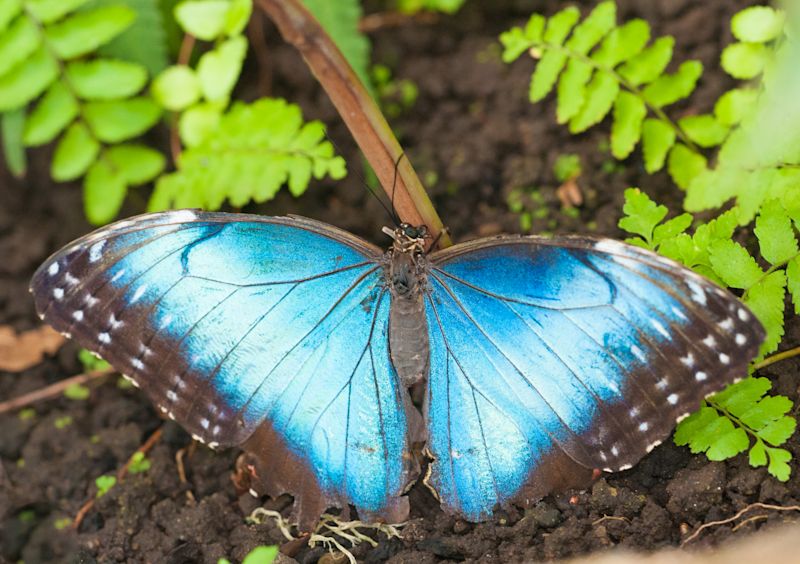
(240,163)
(88,104)
(598,66)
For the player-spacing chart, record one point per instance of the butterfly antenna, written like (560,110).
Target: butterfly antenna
(395,215)
(364,182)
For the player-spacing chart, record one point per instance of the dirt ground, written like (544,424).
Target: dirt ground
(474,139)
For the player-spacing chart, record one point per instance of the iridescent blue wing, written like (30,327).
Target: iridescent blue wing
(550,358)
(245,329)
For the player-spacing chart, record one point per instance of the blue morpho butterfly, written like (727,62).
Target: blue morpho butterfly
(544,358)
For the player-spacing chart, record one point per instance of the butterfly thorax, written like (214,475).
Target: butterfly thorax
(406,279)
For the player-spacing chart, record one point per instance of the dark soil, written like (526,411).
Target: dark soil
(474,138)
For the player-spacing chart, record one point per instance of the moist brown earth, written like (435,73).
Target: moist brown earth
(474,139)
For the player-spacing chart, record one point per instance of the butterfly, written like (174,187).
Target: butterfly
(541,359)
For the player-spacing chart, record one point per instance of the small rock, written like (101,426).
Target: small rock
(544,515)
(604,497)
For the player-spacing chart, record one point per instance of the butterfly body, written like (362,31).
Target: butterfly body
(541,359)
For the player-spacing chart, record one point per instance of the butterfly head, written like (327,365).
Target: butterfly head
(408,239)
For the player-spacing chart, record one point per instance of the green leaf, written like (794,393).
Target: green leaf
(672,228)
(728,444)
(74,154)
(766,300)
(12,126)
(84,32)
(593,28)
(567,167)
(629,114)
(745,60)
(18,43)
(693,425)
(240,163)
(734,264)
(778,432)
(600,95)
(758,455)
(27,80)
(733,106)
(261,555)
(145,41)
(750,390)
(176,88)
(205,19)
(685,164)
(669,88)
(764,412)
(758,24)
(546,74)
(9,9)
(137,164)
(560,24)
(198,122)
(119,120)
(52,114)
(793,282)
(48,11)
(517,40)
(623,43)
(239,14)
(776,236)
(572,89)
(650,63)
(105,79)
(704,130)
(341,20)
(657,140)
(219,69)
(778,463)
(104,192)
(641,214)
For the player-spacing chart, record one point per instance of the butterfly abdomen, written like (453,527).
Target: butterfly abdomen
(408,329)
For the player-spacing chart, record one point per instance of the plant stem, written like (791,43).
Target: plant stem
(51,391)
(772,359)
(359,112)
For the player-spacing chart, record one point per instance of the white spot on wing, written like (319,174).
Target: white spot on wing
(104,338)
(614,450)
(740,339)
(688,360)
(117,275)
(644,426)
(254,493)
(743,315)
(77,315)
(700,376)
(650,447)
(672,398)
(137,364)
(710,341)
(58,293)
(138,293)
(96,251)
(724,358)
(172,396)
(53,269)
(660,328)
(70,279)
(698,295)
(726,324)
(183,215)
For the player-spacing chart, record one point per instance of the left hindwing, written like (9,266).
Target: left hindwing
(552,356)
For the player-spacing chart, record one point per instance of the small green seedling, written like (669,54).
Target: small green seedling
(259,555)
(91,362)
(567,167)
(63,422)
(139,463)
(62,523)
(77,392)
(104,484)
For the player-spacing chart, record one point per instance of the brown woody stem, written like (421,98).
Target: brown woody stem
(359,112)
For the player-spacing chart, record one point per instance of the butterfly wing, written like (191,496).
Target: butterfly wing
(244,328)
(553,357)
